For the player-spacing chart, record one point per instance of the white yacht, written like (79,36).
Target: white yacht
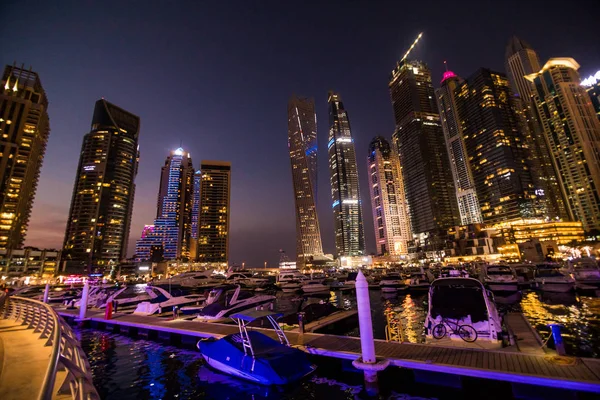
(224,302)
(549,277)
(314,286)
(291,281)
(128,297)
(585,271)
(246,278)
(165,302)
(418,279)
(462,313)
(192,279)
(391,282)
(500,278)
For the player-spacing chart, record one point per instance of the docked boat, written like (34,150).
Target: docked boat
(525,274)
(585,271)
(500,278)
(290,281)
(418,280)
(314,286)
(191,279)
(254,356)
(462,313)
(453,271)
(550,277)
(128,297)
(391,282)
(224,302)
(165,302)
(246,278)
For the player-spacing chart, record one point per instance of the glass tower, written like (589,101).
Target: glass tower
(24,131)
(347,214)
(214,214)
(390,214)
(100,215)
(572,131)
(302,144)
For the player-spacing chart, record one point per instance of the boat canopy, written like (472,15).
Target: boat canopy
(252,315)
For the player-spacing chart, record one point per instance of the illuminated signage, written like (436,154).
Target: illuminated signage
(89,167)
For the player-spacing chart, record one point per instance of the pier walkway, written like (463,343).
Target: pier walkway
(580,374)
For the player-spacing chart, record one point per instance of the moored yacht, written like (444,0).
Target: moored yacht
(314,286)
(500,278)
(246,278)
(128,297)
(391,282)
(418,279)
(290,281)
(165,302)
(225,302)
(549,277)
(188,279)
(585,271)
(462,313)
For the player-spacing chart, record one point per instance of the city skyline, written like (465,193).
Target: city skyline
(262,136)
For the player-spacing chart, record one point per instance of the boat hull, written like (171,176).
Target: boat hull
(556,287)
(503,286)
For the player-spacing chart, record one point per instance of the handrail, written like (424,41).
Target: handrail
(66,351)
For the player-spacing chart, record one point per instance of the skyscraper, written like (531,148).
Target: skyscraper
(195,215)
(390,214)
(100,214)
(302,144)
(522,60)
(173,223)
(572,131)
(24,130)
(495,145)
(345,194)
(214,215)
(466,196)
(421,146)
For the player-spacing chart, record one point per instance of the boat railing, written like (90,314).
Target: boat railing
(67,360)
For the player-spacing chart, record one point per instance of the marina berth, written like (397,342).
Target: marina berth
(500,278)
(550,277)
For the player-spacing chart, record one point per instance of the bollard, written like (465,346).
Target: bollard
(115,304)
(46,292)
(368,363)
(84,301)
(175,309)
(558,340)
(108,311)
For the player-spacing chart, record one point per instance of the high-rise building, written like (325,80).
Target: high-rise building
(214,214)
(592,86)
(100,215)
(24,130)
(420,142)
(345,194)
(302,144)
(466,195)
(195,215)
(173,223)
(496,149)
(522,60)
(390,215)
(572,130)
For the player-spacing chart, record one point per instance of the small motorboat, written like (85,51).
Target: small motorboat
(128,297)
(254,356)
(165,302)
(225,302)
(586,272)
(391,282)
(500,278)
(246,279)
(314,286)
(191,279)
(419,280)
(312,310)
(550,277)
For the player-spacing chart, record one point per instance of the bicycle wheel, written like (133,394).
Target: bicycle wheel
(438,331)
(467,333)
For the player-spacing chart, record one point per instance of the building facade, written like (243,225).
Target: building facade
(521,60)
(572,131)
(100,215)
(466,195)
(215,212)
(24,131)
(172,227)
(496,148)
(420,143)
(29,261)
(388,203)
(345,194)
(302,145)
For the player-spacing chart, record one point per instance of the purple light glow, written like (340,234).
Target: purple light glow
(448,75)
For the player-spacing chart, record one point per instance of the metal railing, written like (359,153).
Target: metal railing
(66,355)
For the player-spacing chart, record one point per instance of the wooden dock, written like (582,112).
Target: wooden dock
(579,374)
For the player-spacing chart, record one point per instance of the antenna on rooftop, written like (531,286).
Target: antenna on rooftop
(412,46)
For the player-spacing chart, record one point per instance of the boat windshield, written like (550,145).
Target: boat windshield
(458,301)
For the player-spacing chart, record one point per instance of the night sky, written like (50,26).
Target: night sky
(216,77)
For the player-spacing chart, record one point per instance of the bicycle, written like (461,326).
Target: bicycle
(465,332)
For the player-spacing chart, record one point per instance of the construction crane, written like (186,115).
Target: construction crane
(412,46)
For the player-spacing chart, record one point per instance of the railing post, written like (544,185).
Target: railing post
(46,293)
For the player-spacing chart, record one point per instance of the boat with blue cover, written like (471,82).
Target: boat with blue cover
(254,356)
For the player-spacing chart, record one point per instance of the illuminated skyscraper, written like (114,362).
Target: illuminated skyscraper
(195,215)
(572,131)
(302,144)
(390,214)
(495,145)
(345,194)
(466,196)
(173,223)
(214,214)
(100,214)
(24,131)
(421,146)
(522,60)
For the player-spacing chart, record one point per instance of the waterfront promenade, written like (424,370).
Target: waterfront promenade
(534,368)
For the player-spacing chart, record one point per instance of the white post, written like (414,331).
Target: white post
(46,293)
(365,323)
(84,301)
